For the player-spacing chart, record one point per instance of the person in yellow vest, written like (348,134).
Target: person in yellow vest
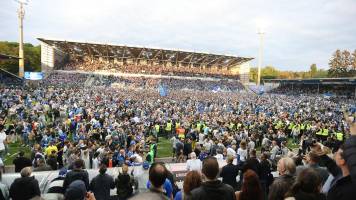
(290,127)
(302,128)
(157,129)
(319,134)
(199,127)
(325,134)
(168,129)
(232,126)
(339,136)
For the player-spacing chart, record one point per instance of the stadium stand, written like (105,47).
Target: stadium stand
(85,119)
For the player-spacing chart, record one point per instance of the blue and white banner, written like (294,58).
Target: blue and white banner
(163,90)
(34,75)
(216,89)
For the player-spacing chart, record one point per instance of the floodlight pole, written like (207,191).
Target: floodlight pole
(260,54)
(21,15)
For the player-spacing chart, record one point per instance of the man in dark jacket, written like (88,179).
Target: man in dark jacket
(229,173)
(342,187)
(77,174)
(25,187)
(21,162)
(101,184)
(252,163)
(42,166)
(124,184)
(212,188)
(343,168)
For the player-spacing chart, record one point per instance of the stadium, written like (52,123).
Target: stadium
(93,120)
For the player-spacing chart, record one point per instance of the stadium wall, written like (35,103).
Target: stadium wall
(51,58)
(47,57)
(243,70)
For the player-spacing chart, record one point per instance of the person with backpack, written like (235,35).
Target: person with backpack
(124,184)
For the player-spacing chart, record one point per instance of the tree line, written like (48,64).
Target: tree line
(32,57)
(341,64)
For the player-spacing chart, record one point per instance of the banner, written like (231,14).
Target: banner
(163,91)
(34,75)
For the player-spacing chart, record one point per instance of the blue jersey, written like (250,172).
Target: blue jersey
(167,186)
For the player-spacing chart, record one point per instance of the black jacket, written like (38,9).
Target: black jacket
(253,164)
(124,185)
(101,185)
(344,187)
(229,173)
(213,190)
(350,156)
(21,162)
(76,175)
(24,188)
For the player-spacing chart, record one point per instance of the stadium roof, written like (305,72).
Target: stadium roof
(324,81)
(4,57)
(143,53)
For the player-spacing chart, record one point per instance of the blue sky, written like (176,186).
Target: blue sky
(298,33)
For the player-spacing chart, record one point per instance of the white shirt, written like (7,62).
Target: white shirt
(219,157)
(201,138)
(2,139)
(243,154)
(251,145)
(95,163)
(194,164)
(230,152)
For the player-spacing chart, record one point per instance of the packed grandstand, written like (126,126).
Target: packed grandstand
(96,121)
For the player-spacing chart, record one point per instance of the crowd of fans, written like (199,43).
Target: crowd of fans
(144,68)
(80,80)
(72,127)
(313,89)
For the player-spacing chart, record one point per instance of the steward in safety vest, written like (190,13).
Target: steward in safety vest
(168,129)
(339,136)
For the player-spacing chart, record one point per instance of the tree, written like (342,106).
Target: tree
(346,60)
(253,74)
(32,57)
(353,63)
(269,72)
(313,70)
(339,64)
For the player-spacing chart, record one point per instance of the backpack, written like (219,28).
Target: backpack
(124,185)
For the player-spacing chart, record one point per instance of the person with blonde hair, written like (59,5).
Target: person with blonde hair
(25,187)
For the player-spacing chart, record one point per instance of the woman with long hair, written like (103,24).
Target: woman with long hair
(251,187)
(191,181)
(307,186)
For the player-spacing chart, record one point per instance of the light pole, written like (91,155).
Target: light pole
(21,15)
(260,55)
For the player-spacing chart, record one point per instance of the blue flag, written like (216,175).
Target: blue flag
(216,89)
(163,91)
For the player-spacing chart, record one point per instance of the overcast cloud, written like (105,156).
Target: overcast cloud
(298,33)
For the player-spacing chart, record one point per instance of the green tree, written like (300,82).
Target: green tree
(253,74)
(269,72)
(32,57)
(313,70)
